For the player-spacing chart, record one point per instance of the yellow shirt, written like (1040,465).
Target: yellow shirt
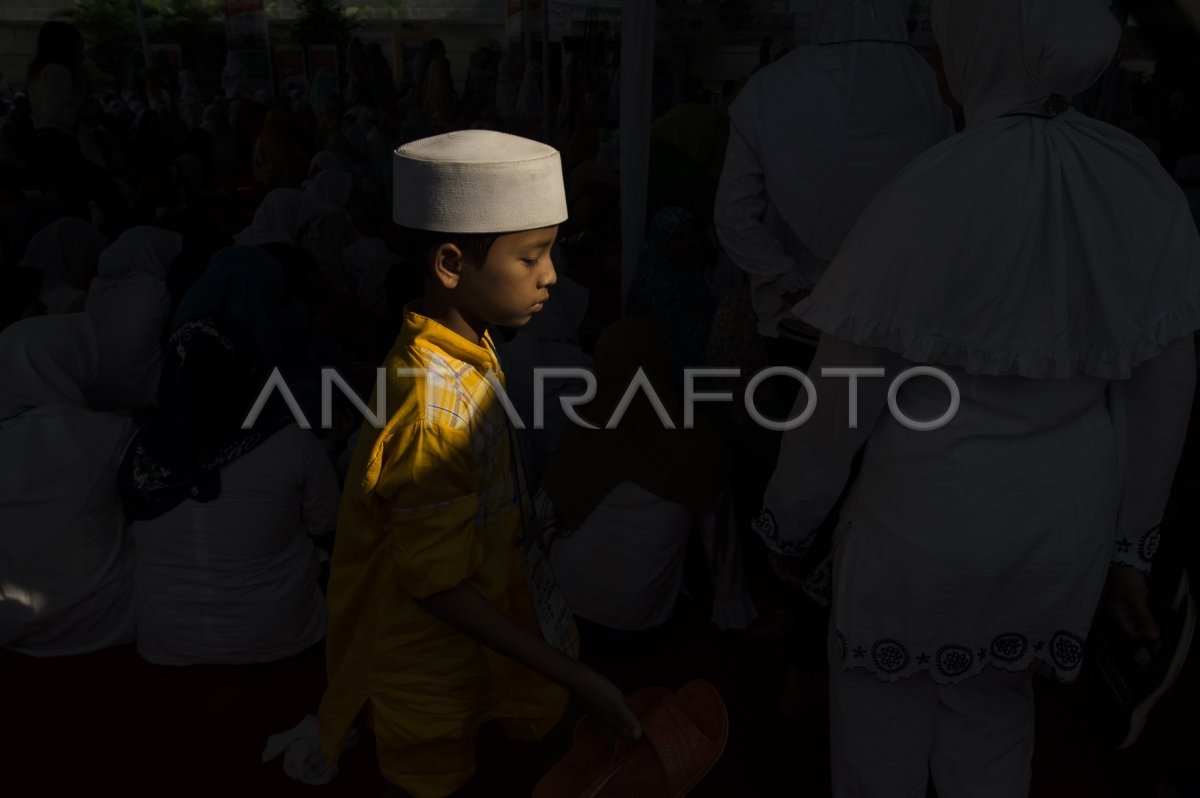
(430,501)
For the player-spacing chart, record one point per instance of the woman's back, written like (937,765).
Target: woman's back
(65,563)
(1014,446)
(64,589)
(623,567)
(235,579)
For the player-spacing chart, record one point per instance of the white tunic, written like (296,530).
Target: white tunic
(66,566)
(624,566)
(234,580)
(986,541)
(813,137)
(65,588)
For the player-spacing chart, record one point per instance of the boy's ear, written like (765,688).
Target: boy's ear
(447,265)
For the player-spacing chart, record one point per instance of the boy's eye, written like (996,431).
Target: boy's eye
(530,261)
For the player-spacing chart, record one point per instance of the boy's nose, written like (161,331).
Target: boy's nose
(549,277)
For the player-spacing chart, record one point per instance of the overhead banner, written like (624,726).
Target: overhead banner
(567,17)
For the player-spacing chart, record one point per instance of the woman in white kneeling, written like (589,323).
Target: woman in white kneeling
(223,516)
(66,566)
(620,506)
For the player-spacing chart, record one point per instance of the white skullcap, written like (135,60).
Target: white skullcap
(478,181)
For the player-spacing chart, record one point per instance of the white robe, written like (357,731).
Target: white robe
(1061,302)
(234,580)
(130,306)
(814,136)
(66,564)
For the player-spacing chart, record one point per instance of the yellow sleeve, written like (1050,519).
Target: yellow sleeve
(426,490)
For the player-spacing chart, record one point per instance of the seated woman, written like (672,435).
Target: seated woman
(549,340)
(66,566)
(278,159)
(66,252)
(129,302)
(19,289)
(276,219)
(620,506)
(243,281)
(222,517)
(671,285)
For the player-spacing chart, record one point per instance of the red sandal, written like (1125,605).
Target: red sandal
(683,737)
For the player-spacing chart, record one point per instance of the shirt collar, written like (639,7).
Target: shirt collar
(422,329)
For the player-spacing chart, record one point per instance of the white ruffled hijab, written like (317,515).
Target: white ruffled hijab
(1030,244)
(56,447)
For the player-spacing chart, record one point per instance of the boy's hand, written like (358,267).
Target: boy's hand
(605,703)
(464,608)
(786,569)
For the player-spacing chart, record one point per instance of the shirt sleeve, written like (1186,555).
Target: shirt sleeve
(426,492)
(740,208)
(815,458)
(1153,408)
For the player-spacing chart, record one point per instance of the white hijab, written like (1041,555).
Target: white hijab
(140,252)
(1031,246)
(327,229)
(46,360)
(56,446)
(832,122)
(130,306)
(325,161)
(327,190)
(276,220)
(65,251)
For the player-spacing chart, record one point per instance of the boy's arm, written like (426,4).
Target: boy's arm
(464,608)
(435,550)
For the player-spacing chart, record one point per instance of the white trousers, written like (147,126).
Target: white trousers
(975,738)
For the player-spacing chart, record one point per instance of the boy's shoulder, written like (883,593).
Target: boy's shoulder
(428,384)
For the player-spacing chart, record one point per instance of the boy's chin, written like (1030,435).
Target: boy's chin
(514,321)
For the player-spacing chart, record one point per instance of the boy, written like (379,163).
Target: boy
(431,626)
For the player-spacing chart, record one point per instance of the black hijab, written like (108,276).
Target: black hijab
(211,378)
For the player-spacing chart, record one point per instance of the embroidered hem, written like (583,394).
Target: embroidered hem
(1061,652)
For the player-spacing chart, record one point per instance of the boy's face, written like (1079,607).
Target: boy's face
(512,283)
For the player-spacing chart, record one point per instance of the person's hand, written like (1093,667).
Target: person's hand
(604,702)
(786,570)
(1128,601)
